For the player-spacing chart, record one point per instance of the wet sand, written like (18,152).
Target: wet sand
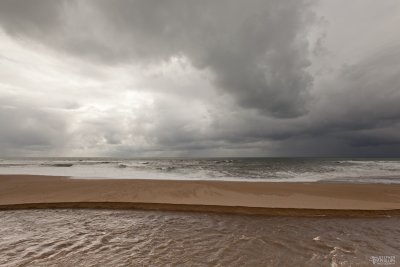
(293,199)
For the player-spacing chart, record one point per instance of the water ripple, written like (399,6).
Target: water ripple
(155,238)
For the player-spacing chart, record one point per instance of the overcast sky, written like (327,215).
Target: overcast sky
(199,78)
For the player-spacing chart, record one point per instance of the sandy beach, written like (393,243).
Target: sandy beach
(60,221)
(342,199)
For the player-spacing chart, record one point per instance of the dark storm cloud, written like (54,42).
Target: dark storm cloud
(31,18)
(359,111)
(28,130)
(227,78)
(364,95)
(256,49)
(357,114)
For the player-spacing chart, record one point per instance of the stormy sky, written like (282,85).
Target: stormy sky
(134,78)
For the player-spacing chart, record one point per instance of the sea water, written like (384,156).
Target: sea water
(355,170)
(156,238)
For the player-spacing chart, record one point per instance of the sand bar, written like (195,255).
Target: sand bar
(32,191)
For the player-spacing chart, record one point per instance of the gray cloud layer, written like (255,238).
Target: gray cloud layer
(223,78)
(257,45)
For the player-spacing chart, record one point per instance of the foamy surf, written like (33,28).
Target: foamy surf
(243,169)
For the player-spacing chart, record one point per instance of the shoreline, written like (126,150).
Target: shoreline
(259,198)
(238,210)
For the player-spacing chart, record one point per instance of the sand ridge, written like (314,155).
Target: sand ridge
(31,191)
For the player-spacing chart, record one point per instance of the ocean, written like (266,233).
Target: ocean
(353,170)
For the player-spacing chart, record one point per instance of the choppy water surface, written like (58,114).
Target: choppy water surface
(250,169)
(154,238)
